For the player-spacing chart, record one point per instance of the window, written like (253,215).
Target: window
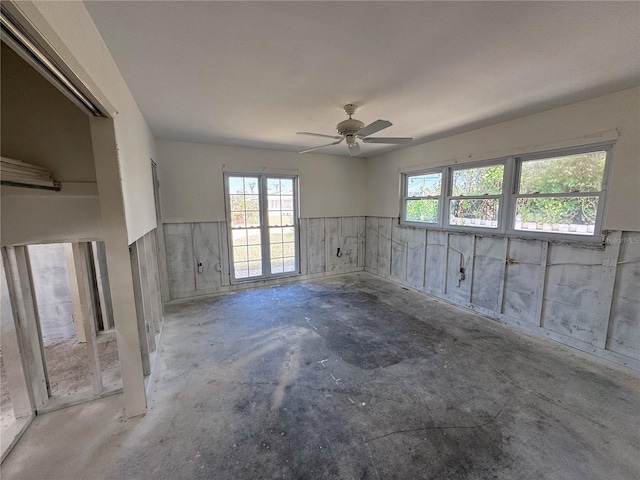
(560,193)
(476,195)
(421,201)
(262,215)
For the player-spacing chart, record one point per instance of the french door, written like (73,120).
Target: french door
(262,212)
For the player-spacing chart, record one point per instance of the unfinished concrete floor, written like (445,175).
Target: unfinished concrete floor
(348,377)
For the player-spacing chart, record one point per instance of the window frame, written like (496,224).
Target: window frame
(518,160)
(405,197)
(508,198)
(502,200)
(264,226)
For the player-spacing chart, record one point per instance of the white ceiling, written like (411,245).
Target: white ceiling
(255,73)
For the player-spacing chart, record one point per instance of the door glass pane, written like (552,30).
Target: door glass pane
(244,207)
(262,207)
(281,218)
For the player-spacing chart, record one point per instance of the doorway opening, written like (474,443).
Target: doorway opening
(58,344)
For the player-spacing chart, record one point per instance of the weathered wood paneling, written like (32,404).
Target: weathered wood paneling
(180,261)
(624,330)
(191,244)
(436,262)
(316,254)
(384,246)
(341,233)
(460,256)
(487,273)
(361,241)
(399,253)
(572,297)
(522,280)
(417,241)
(206,244)
(371,245)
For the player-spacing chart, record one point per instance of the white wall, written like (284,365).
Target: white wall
(192,186)
(40,125)
(34,216)
(71,31)
(611,117)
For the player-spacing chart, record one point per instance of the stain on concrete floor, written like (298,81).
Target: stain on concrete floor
(354,377)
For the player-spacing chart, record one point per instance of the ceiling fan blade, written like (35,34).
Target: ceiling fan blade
(322,146)
(373,128)
(396,140)
(354,149)
(335,137)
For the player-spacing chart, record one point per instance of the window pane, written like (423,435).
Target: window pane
(572,173)
(427,185)
(478,181)
(290,264)
(255,252)
(237,220)
(274,202)
(286,186)
(287,217)
(255,268)
(276,250)
(254,236)
(241,270)
(288,249)
(288,234)
(574,215)
(236,185)
(273,186)
(275,235)
(251,202)
(478,212)
(239,237)
(277,266)
(286,202)
(275,219)
(422,211)
(237,203)
(251,185)
(253,219)
(240,253)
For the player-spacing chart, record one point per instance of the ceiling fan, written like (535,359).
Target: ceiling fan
(353,130)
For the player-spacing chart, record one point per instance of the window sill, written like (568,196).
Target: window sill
(590,241)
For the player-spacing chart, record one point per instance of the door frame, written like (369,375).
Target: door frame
(264,226)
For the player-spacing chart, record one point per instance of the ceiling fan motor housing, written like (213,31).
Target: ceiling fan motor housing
(349,126)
